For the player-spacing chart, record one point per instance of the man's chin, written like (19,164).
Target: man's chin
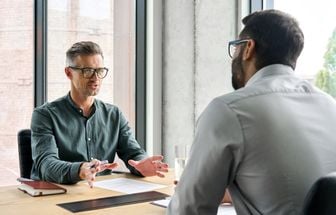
(93,93)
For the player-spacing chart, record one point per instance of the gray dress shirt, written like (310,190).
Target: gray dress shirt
(267,142)
(63,138)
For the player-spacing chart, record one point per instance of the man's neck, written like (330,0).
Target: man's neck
(83,102)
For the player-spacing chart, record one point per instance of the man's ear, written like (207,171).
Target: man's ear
(68,72)
(249,50)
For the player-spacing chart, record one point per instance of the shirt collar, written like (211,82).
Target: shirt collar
(72,103)
(271,70)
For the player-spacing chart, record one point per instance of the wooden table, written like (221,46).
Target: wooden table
(14,201)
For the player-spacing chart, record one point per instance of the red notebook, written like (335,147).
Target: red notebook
(40,188)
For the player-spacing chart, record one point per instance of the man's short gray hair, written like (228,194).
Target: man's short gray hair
(82,48)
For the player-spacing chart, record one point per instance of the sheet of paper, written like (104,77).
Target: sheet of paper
(222,209)
(162,203)
(226,210)
(128,186)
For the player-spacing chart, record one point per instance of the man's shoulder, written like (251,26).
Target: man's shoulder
(60,102)
(232,97)
(224,103)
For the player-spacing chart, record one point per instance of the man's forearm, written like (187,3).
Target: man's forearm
(60,171)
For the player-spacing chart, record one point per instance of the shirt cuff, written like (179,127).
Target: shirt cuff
(74,172)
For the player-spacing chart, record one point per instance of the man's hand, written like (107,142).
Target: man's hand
(150,166)
(88,170)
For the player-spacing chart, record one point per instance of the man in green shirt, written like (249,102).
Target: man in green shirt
(70,131)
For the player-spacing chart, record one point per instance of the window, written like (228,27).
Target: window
(317,21)
(16,88)
(316,62)
(109,23)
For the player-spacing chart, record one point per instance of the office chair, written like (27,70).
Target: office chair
(25,154)
(321,198)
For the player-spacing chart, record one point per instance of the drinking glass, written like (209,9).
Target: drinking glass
(181,153)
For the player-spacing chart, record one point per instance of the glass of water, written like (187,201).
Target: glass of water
(181,153)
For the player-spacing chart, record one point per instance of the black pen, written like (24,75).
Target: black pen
(118,172)
(101,163)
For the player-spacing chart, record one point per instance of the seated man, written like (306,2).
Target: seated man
(73,134)
(268,141)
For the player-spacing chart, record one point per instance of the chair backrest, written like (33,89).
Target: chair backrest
(25,154)
(321,198)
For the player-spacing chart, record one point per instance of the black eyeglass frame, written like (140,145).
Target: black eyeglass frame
(94,71)
(235,43)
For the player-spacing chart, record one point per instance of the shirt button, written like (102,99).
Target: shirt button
(89,139)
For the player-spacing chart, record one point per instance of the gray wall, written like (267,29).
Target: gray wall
(195,65)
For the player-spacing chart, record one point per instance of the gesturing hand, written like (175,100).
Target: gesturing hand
(150,166)
(88,170)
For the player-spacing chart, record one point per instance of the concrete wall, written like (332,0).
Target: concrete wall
(195,65)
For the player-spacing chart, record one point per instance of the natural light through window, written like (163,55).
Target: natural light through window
(317,20)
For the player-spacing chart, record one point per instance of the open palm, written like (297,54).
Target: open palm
(150,166)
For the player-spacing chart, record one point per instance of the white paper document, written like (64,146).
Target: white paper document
(226,210)
(128,186)
(222,209)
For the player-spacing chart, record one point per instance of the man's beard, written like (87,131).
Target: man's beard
(237,72)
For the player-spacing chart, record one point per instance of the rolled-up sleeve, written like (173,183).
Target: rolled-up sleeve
(47,165)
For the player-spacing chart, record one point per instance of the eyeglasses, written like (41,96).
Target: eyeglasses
(233,45)
(90,72)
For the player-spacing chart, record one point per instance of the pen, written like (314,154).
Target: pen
(118,172)
(101,163)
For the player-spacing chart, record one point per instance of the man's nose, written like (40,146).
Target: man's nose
(94,76)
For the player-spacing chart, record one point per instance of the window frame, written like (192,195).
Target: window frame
(256,5)
(40,52)
(140,72)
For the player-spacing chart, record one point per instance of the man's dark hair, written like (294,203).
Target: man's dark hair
(82,48)
(277,35)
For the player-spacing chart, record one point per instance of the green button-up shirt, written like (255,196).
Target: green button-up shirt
(63,138)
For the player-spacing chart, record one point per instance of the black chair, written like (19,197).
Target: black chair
(25,154)
(321,198)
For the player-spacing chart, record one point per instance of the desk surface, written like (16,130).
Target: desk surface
(14,201)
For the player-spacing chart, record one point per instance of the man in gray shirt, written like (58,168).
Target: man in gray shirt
(268,141)
(72,135)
